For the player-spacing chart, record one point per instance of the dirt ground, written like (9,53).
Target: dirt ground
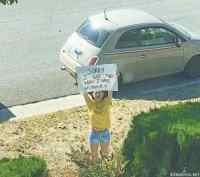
(56,136)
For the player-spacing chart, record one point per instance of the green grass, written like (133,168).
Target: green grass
(22,167)
(164,140)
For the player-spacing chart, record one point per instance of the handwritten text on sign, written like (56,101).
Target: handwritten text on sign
(97,78)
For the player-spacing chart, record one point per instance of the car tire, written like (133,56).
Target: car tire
(192,68)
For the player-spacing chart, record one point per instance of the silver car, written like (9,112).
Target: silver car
(141,45)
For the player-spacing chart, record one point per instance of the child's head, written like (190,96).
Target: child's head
(98,96)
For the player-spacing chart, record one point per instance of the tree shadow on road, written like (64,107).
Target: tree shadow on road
(167,88)
(5,113)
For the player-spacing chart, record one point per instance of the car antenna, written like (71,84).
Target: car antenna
(105,15)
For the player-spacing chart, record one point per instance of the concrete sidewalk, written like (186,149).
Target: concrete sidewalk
(42,107)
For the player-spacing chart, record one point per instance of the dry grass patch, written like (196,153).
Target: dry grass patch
(53,136)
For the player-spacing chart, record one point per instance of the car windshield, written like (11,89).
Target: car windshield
(92,33)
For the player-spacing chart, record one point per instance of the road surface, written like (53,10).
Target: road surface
(32,33)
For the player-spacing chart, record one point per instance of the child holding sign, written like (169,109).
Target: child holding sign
(97,83)
(99,107)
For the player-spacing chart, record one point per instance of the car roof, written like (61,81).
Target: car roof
(122,18)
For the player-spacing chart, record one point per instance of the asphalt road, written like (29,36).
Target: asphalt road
(32,32)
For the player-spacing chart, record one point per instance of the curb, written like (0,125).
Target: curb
(43,107)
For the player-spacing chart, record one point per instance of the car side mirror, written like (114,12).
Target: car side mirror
(178,42)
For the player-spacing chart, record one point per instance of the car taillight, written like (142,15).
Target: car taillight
(93,60)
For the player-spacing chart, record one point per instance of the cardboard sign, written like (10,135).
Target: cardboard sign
(97,78)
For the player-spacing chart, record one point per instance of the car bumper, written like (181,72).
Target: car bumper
(71,72)
(70,64)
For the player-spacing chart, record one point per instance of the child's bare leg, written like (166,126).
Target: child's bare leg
(105,149)
(94,151)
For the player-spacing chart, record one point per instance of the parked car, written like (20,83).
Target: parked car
(142,46)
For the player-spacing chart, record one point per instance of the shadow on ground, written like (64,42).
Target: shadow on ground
(167,88)
(5,113)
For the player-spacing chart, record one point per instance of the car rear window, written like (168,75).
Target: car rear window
(94,35)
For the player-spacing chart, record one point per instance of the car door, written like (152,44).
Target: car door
(127,54)
(163,54)
(146,52)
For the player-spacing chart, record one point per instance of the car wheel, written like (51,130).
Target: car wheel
(192,68)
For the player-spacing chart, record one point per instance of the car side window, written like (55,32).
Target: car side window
(156,36)
(128,39)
